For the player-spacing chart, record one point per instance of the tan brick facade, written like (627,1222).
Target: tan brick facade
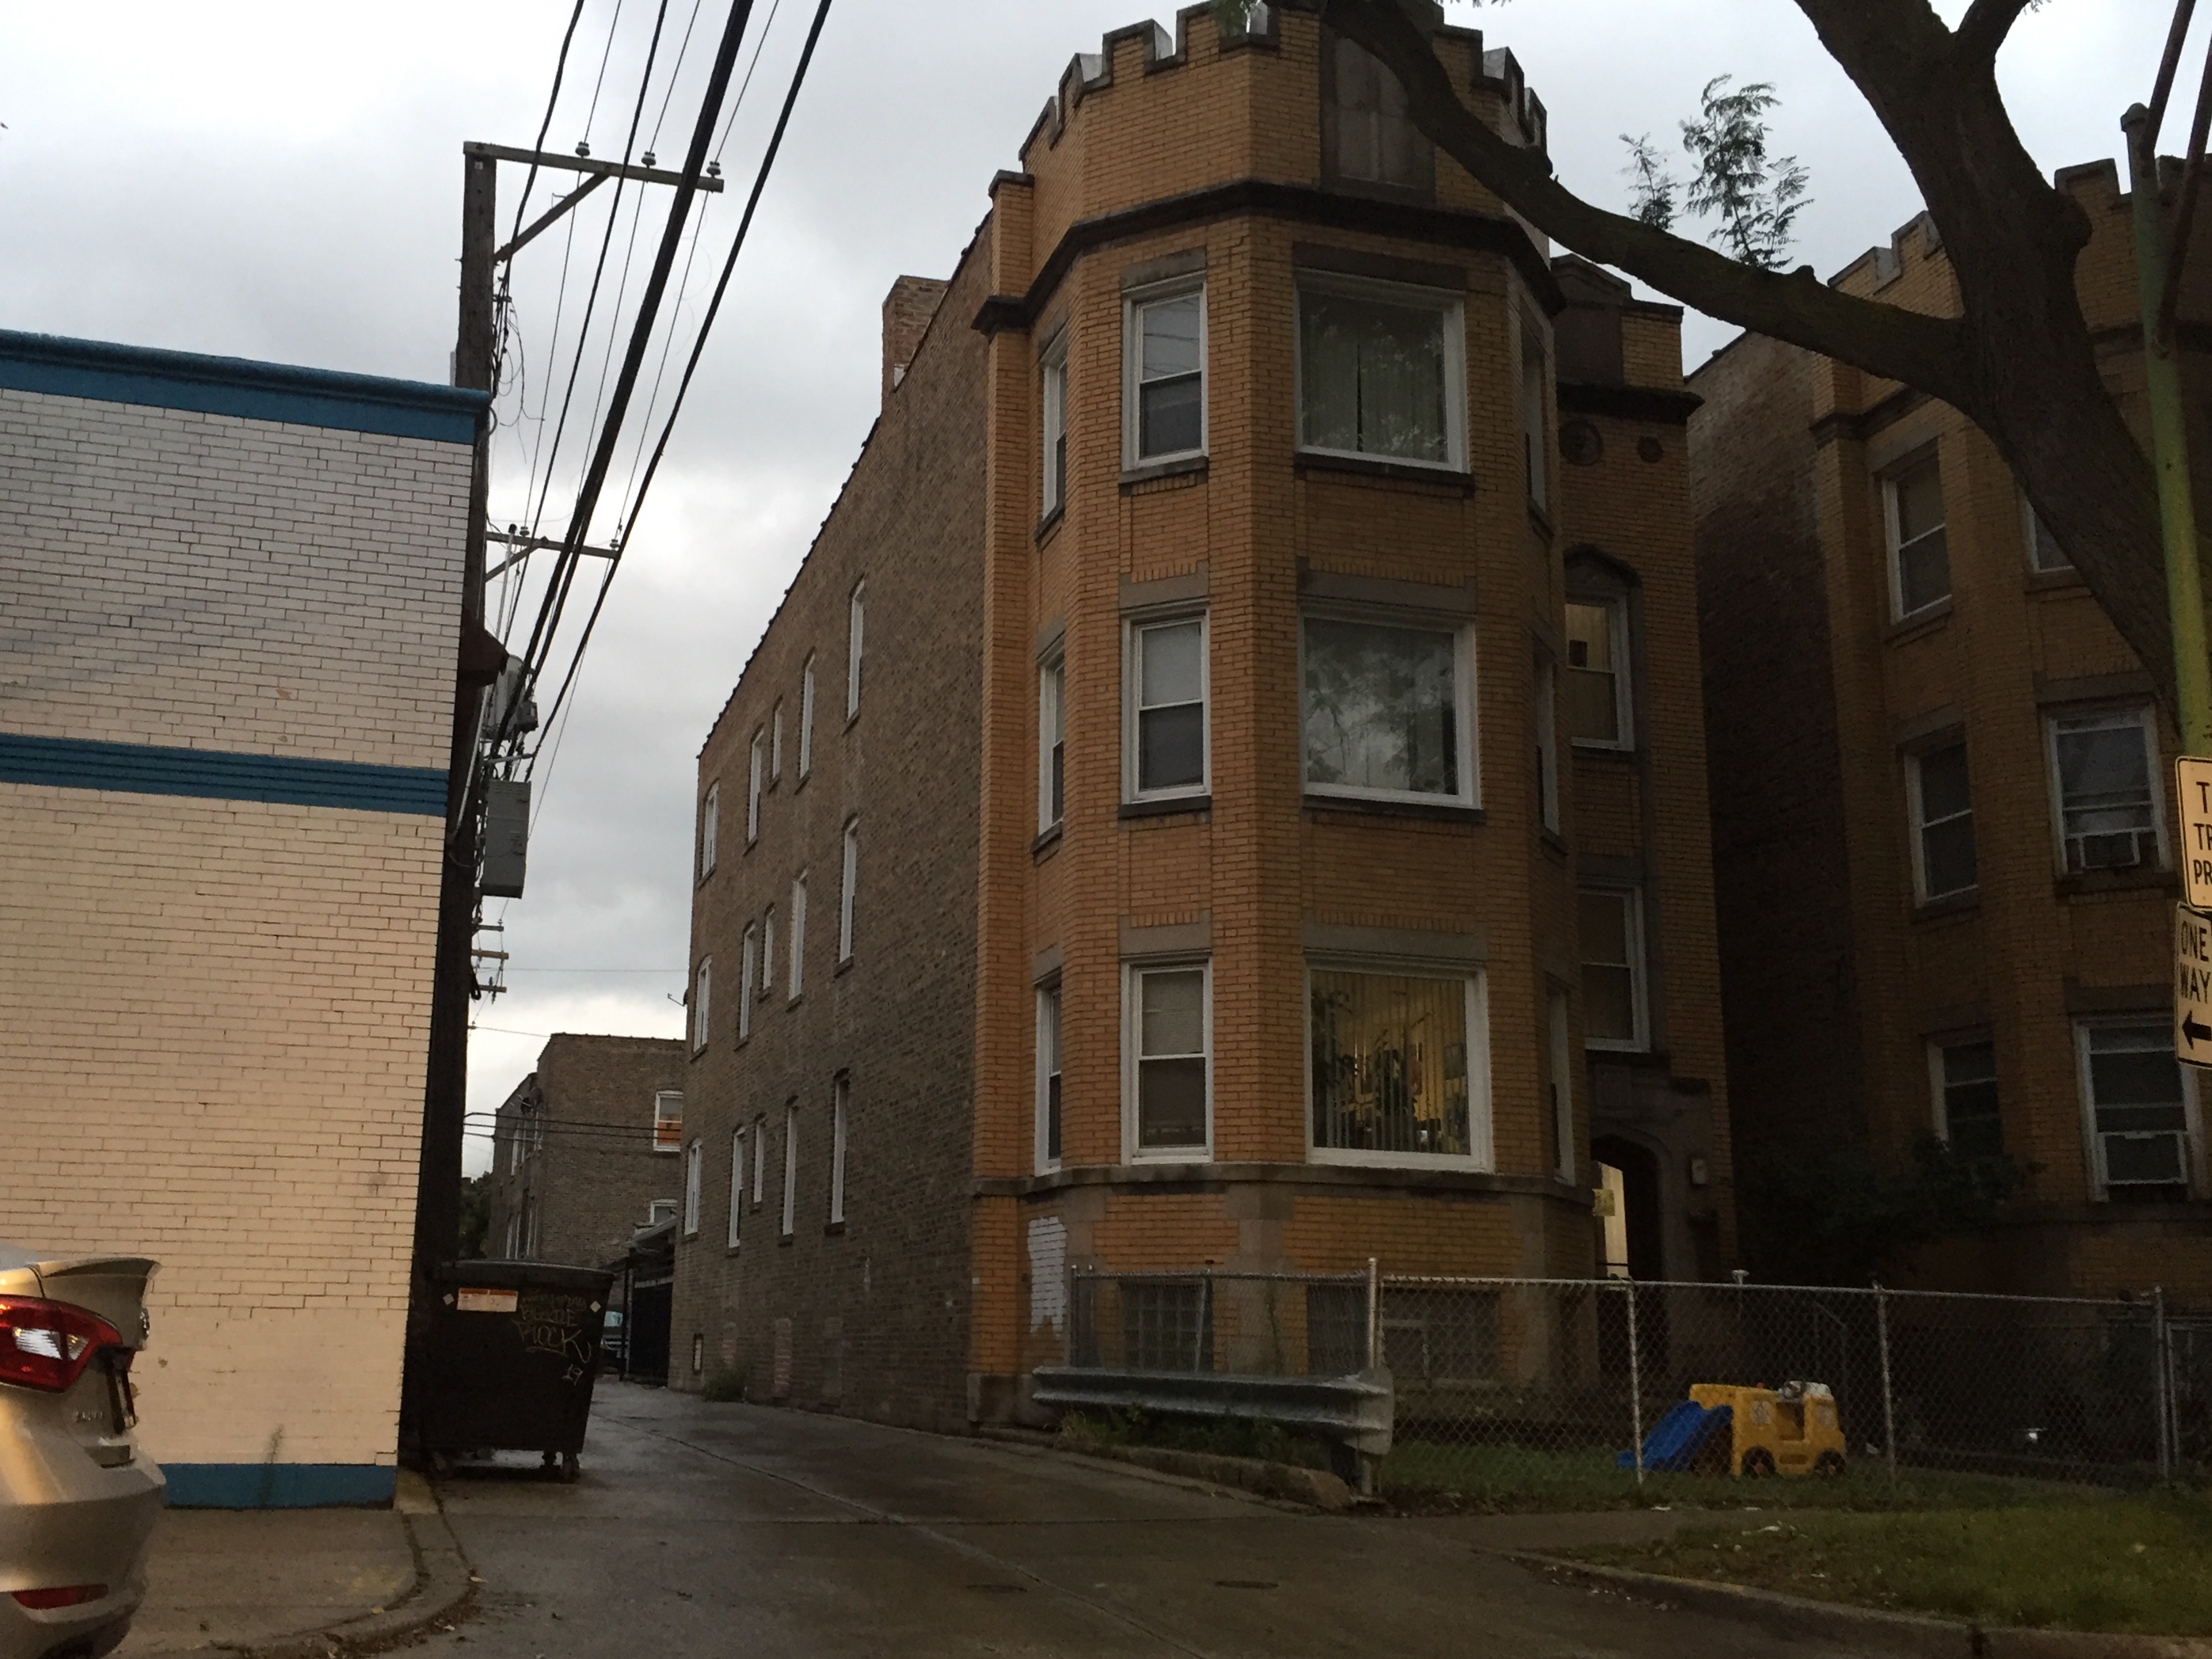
(232,594)
(1170,167)
(1831,693)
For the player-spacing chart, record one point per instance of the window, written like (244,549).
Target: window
(1165,399)
(1942,822)
(1597,680)
(1536,395)
(806,719)
(2138,1111)
(790,1169)
(1547,744)
(1919,561)
(659,1210)
(1167,1325)
(1380,370)
(2043,552)
(2108,810)
(1052,743)
(1563,1086)
(757,779)
(845,891)
(841,1095)
(668,1120)
(701,990)
(1386,711)
(693,1156)
(1392,1069)
(1169,1020)
(1048,1079)
(1612,968)
(856,627)
(775,743)
(1053,398)
(768,951)
(798,951)
(737,1184)
(1963,1077)
(710,812)
(1166,741)
(760,1157)
(748,980)
(1367,125)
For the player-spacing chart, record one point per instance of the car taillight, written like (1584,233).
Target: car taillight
(47,1344)
(69,1595)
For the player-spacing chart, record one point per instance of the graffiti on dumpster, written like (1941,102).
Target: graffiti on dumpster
(552,1322)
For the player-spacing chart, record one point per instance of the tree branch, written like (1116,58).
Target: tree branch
(1921,350)
(1986,24)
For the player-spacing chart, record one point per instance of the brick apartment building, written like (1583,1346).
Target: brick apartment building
(231,593)
(1227,784)
(587,1149)
(1936,758)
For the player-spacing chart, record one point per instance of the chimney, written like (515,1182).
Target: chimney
(906,311)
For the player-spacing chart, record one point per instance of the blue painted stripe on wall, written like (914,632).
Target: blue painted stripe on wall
(106,373)
(278,1485)
(215,775)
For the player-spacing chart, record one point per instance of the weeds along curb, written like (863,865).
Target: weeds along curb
(1286,1483)
(1863,1630)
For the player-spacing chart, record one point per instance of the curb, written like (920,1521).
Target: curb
(1868,1630)
(444,1586)
(1286,1483)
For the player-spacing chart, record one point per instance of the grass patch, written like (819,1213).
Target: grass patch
(1231,1436)
(1519,1480)
(2132,1564)
(723,1386)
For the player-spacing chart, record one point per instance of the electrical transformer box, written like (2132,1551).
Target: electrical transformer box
(507,838)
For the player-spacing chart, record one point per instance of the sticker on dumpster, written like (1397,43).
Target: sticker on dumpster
(486,1301)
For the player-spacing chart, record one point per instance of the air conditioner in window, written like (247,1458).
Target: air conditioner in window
(2114,849)
(2156,1158)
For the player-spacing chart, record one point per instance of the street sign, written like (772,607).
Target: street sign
(2192,986)
(2193,787)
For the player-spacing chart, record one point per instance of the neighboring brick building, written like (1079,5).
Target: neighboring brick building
(1942,806)
(586,1150)
(231,594)
(1227,784)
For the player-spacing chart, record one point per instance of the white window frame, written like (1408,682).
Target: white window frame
(790,1169)
(1639,971)
(1939,1116)
(1559,1016)
(1133,306)
(1410,297)
(760,1157)
(775,744)
(1132,1052)
(1049,1065)
(1480,1131)
(693,1160)
(662,1119)
(2193,1170)
(1624,670)
(856,623)
(702,985)
(806,719)
(768,952)
(1547,694)
(2140,715)
(847,885)
(795,948)
(840,1098)
(2033,534)
(1052,711)
(1917,811)
(1470,792)
(748,972)
(1052,421)
(736,1186)
(1133,631)
(757,781)
(710,816)
(1890,533)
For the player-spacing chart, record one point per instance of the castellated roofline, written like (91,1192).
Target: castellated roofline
(1496,71)
(2099,179)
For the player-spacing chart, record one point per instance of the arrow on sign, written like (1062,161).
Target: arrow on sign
(2196,1031)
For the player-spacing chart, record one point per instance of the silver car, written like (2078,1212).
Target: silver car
(77,1500)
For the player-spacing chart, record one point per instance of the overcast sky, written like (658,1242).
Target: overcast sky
(282,182)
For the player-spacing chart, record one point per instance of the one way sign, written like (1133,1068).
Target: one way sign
(2192,986)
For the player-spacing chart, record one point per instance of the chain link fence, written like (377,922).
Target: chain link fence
(1506,1386)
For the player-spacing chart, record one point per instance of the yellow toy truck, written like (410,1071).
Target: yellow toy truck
(1791,1430)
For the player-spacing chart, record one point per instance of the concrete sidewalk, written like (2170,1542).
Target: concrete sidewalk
(279,1582)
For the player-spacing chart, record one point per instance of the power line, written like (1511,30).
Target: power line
(699,346)
(560,67)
